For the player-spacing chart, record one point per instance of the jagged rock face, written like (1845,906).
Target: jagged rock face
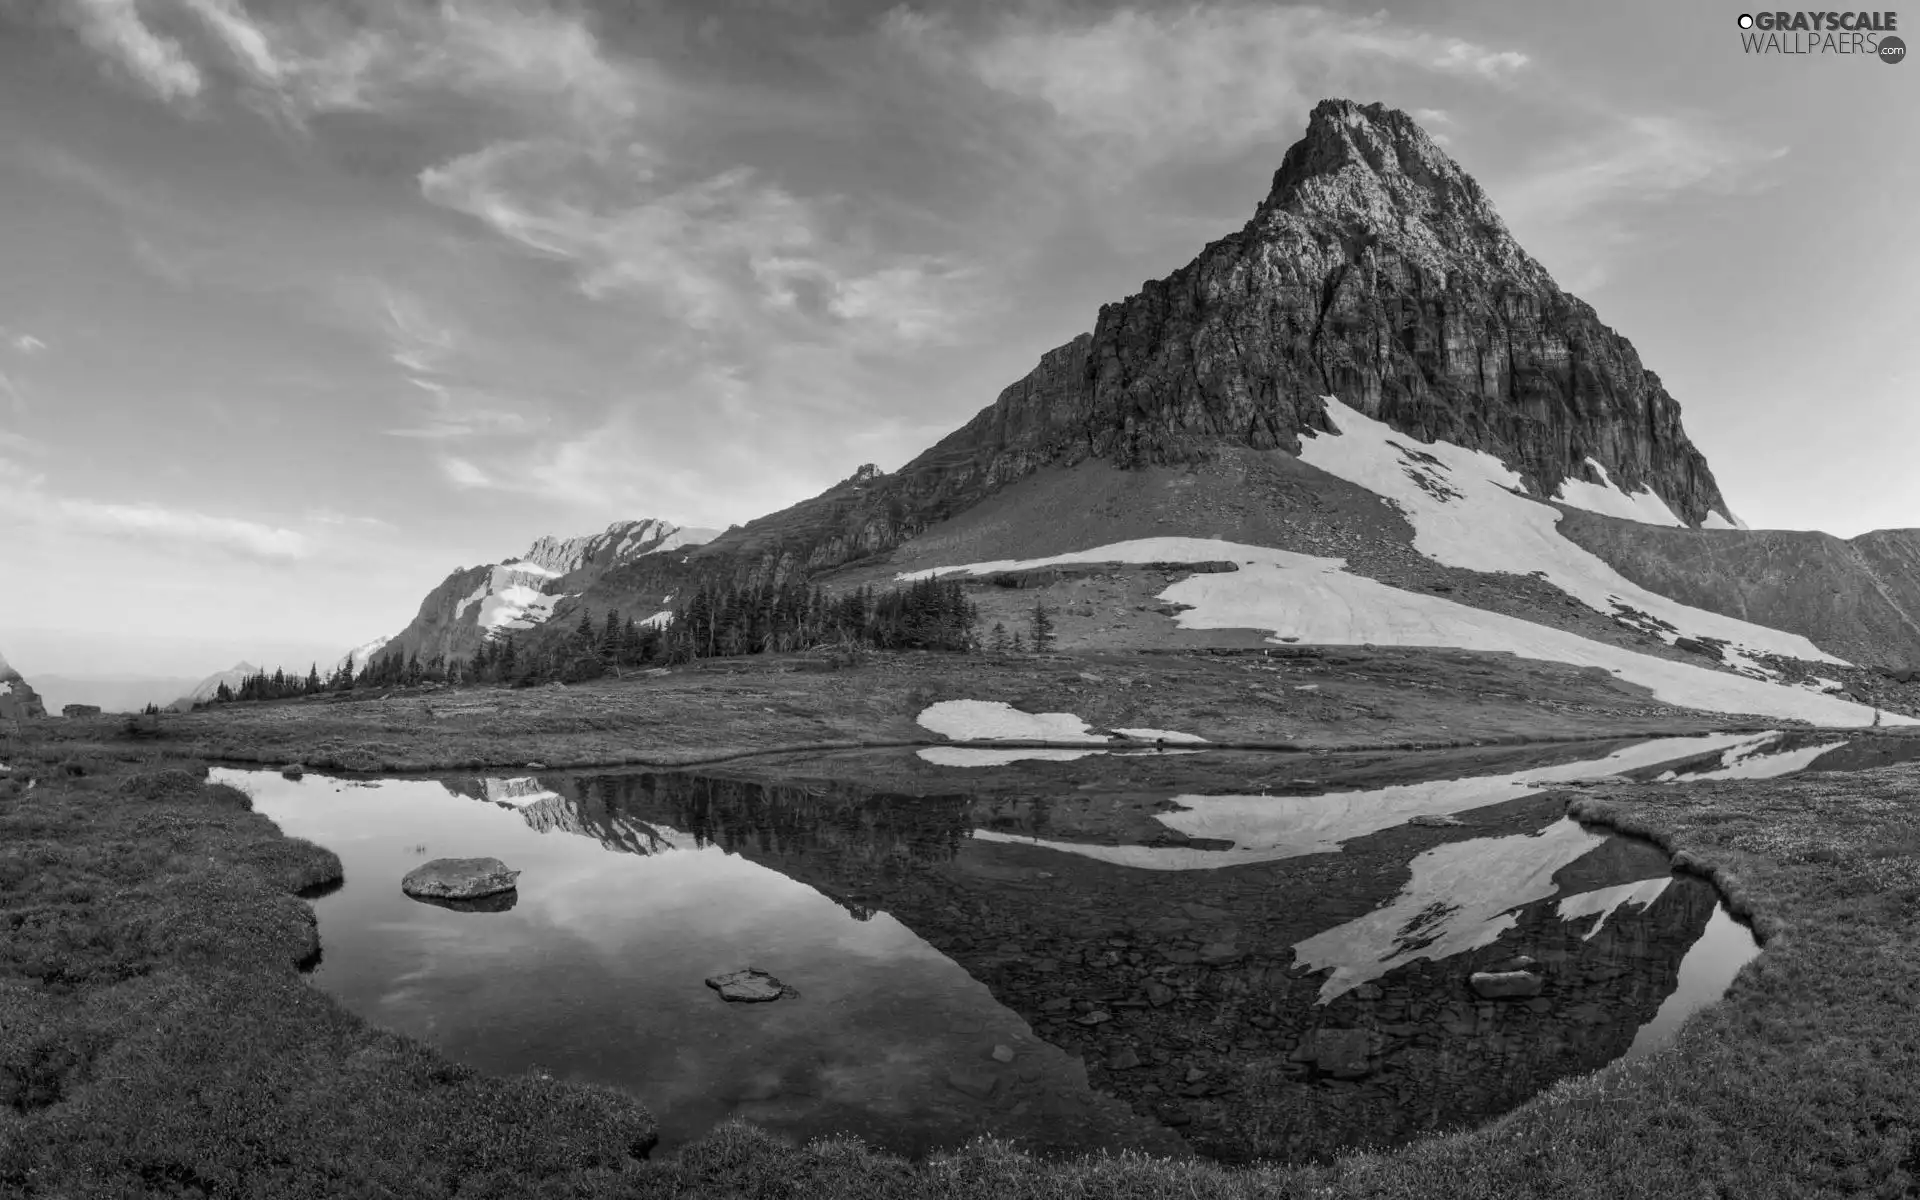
(1375,270)
(520,593)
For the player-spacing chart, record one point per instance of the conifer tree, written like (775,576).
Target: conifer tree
(610,637)
(1040,624)
(313,678)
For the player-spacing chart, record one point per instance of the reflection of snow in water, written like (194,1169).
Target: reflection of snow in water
(1705,974)
(1462,896)
(1761,758)
(1163,735)
(1602,902)
(1266,828)
(964,756)
(518,792)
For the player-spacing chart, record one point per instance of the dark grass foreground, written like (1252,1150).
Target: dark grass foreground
(156,1038)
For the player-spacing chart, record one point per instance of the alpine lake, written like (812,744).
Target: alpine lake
(1279,974)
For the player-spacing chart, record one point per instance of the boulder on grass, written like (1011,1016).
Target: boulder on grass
(459,879)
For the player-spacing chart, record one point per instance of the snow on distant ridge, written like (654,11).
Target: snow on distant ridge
(1317,601)
(1606,497)
(1468,509)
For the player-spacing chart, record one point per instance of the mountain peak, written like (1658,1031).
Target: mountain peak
(1375,175)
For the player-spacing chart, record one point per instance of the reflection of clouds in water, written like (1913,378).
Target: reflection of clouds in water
(1462,896)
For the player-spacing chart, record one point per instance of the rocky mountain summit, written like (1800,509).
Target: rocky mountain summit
(1375,269)
(474,603)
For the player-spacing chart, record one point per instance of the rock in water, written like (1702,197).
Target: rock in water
(751,986)
(1500,985)
(459,879)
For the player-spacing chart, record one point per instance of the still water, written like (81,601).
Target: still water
(966,967)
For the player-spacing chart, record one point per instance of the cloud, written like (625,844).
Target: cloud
(114,29)
(1199,78)
(722,250)
(1576,206)
(313,58)
(150,523)
(25,343)
(462,473)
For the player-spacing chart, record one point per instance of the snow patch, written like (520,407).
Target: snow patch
(1602,902)
(1468,509)
(973,756)
(973,720)
(1716,521)
(1316,600)
(1462,896)
(479,594)
(658,620)
(1606,497)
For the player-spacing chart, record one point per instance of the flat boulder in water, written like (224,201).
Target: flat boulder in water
(459,879)
(751,986)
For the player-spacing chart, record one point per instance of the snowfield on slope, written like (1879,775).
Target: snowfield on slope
(1466,511)
(510,597)
(1317,601)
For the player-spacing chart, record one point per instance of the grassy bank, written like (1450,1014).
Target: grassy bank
(156,1039)
(1349,699)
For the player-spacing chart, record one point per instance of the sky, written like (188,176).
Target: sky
(306,303)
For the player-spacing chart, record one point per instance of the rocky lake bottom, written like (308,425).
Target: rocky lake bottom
(1276,975)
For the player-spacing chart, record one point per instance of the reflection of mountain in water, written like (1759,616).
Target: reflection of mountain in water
(1170,983)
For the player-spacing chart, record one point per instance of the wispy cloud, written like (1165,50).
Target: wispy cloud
(115,30)
(23,343)
(1200,78)
(148,523)
(1576,205)
(315,58)
(723,250)
(462,473)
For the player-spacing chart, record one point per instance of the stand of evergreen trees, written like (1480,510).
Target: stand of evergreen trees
(712,622)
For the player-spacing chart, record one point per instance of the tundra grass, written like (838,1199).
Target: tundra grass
(156,1039)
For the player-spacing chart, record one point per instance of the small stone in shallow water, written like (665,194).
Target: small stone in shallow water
(1496,985)
(751,986)
(1124,1059)
(293,770)
(459,879)
(1003,1054)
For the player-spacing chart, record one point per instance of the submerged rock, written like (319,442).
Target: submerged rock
(459,879)
(496,903)
(293,770)
(1499,985)
(751,986)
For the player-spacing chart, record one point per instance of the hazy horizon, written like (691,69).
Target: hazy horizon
(312,303)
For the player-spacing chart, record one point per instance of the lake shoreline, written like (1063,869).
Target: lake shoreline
(144,1022)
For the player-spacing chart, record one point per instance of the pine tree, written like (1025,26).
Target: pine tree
(313,679)
(1040,623)
(584,632)
(997,642)
(610,638)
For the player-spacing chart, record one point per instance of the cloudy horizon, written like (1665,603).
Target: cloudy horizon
(312,303)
